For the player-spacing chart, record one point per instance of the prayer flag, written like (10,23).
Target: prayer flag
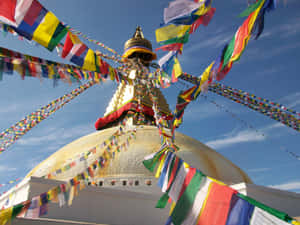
(74,50)
(41,25)
(178,182)
(217,205)
(171,47)
(180,40)
(240,212)
(262,217)
(17,209)
(25,206)
(164,173)
(242,37)
(34,208)
(198,203)
(185,202)
(7,11)
(228,52)
(168,173)
(171,31)
(89,61)
(206,76)
(177,71)
(204,19)
(278,214)
(5,215)
(170,65)
(12,12)
(162,202)
(185,20)
(179,8)
(78,53)
(251,8)
(174,171)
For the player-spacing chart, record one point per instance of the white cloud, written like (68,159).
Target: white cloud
(216,40)
(272,127)
(59,135)
(4,169)
(281,49)
(291,100)
(290,28)
(240,137)
(292,185)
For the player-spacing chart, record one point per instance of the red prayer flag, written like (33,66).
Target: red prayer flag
(217,205)
(205,19)
(171,47)
(7,11)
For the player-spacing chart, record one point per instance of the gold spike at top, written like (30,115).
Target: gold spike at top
(138,33)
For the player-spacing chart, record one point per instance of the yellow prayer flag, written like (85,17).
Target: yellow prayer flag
(53,195)
(75,39)
(170,31)
(206,73)
(89,61)
(202,10)
(50,71)
(296,222)
(188,93)
(5,215)
(177,71)
(44,32)
(186,165)
(18,66)
(111,73)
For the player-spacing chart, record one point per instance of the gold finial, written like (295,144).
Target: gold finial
(138,33)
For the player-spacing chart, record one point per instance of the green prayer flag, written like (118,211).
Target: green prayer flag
(162,202)
(274,212)
(186,200)
(184,39)
(251,9)
(228,52)
(16,210)
(58,35)
(151,163)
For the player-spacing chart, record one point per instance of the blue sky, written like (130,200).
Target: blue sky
(268,68)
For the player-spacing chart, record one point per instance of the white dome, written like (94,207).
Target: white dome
(129,163)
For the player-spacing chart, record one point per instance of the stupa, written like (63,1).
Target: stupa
(129,163)
(125,192)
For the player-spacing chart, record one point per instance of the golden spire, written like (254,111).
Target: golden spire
(139,47)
